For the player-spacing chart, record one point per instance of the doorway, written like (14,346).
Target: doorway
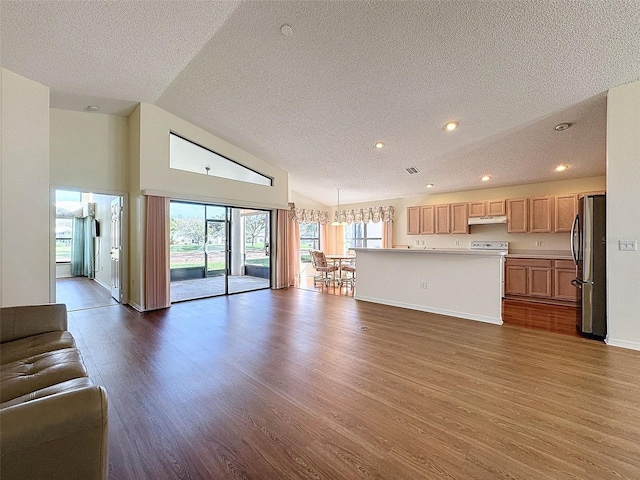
(217,250)
(88,249)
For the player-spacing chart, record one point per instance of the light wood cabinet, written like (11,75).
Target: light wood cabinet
(518,215)
(413,220)
(542,280)
(565,211)
(564,273)
(530,215)
(459,218)
(496,207)
(427,220)
(490,208)
(443,222)
(477,209)
(515,280)
(539,281)
(541,215)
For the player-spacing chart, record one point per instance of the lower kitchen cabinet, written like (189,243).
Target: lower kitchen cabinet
(542,280)
(564,273)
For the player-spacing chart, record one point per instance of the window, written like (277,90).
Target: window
(190,157)
(67,204)
(363,235)
(309,240)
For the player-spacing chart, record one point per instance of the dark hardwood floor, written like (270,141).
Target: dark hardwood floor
(285,385)
(78,293)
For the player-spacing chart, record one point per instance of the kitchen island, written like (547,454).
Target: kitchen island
(461,283)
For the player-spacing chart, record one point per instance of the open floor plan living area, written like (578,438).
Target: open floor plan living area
(293,239)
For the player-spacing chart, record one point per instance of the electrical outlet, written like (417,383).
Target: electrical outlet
(457,243)
(538,243)
(628,245)
(417,242)
(422,242)
(423,284)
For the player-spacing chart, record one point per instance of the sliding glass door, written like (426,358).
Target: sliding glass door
(217,250)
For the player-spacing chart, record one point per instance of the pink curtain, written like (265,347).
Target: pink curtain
(326,243)
(387,234)
(293,253)
(157,254)
(282,250)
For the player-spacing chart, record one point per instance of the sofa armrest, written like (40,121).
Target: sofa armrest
(61,436)
(27,320)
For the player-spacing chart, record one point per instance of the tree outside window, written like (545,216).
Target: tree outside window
(309,240)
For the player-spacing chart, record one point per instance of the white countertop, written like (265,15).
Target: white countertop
(547,254)
(435,251)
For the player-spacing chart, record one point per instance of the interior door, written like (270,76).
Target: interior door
(116,248)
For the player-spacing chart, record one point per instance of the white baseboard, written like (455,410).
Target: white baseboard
(108,287)
(614,342)
(423,308)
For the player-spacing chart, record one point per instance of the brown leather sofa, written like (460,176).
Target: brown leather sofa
(53,419)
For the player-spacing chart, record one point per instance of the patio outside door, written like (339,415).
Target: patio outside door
(216,250)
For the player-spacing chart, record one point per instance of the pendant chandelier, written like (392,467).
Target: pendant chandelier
(336,221)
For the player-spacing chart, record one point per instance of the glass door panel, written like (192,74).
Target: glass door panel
(252,237)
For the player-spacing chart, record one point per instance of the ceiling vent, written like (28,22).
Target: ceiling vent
(412,170)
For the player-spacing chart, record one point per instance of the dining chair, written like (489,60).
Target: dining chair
(319,261)
(350,268)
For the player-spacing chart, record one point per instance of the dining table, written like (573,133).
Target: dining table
(338,259)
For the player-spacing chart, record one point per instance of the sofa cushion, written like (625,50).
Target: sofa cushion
(39,371)
(30,346)
(52,390)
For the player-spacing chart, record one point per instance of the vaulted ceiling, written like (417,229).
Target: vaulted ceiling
(314,99)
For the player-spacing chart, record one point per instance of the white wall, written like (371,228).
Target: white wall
(549,241)
(89,151)
(25,232)
(623,215)
(156,178)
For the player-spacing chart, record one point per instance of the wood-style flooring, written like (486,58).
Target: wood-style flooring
(552,318)
(287,384)
(78,293)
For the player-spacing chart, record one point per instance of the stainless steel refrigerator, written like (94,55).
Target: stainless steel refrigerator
(588,247)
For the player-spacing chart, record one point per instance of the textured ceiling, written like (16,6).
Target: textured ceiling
(352,73)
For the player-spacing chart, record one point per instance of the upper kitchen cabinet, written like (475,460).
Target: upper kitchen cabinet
(427,220)
(530,215)
(566,209)
(459,218)
(489,208)
(443,214)
(496,207)
(413,220)
(541,215)
(477,209)
(518,215)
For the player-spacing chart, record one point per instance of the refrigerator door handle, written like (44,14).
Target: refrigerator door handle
(574,234)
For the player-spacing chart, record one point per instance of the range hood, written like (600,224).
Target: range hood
(488,220)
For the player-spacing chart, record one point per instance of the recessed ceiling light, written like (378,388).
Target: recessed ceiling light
(286,30)
(561,168)
(451,126)
(429,185)
(561,127)
(486,178)
(93,108)
(378,144)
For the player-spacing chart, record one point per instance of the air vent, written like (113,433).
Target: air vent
(412,170)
